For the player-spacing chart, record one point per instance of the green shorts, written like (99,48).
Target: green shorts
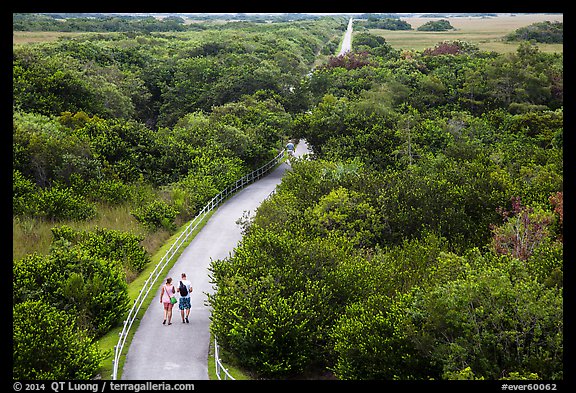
(184,303)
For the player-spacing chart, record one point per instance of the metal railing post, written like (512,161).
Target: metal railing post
(218,363)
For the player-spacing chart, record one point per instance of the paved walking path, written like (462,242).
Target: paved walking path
(347,41)
(180,351)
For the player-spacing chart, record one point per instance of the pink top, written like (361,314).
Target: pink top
(165,296)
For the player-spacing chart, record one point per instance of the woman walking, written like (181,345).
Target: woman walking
(167,291)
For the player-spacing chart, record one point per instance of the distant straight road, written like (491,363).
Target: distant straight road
(347,42)
(180,351)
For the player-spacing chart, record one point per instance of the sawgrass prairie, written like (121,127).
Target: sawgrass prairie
(487,32)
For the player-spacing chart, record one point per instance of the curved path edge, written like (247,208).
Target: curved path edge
(180,351)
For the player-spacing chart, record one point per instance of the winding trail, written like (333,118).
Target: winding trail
(180,351)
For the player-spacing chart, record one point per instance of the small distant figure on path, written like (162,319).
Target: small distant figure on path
(184,288)
(290,148)
(165,298)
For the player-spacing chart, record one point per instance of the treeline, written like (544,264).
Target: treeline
(156,79)
(436,25)
(545,32)
(374,22)
(424,240)
(96,23)
(154,124)
(74,22)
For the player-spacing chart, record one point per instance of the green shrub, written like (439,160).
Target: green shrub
(371,341)
(36,277)
(24,199)
(71,279)
(121,247)
(436,25)
(58,203)
(47,345)
(111,191)
(95,289)
(497,320)
(547,32)
(156,214)
(277,299)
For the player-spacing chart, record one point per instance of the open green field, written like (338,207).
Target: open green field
(487,33)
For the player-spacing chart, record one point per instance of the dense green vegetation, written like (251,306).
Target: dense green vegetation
(436,25)
(98,22)
(374,22)
(547,32)
(94,23)
(153,124)
(423,240)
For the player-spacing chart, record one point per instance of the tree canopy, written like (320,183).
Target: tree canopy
(436,25)
(546,32)
(422,239)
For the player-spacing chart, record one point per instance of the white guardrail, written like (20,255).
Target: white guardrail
(218,363)
(143,294)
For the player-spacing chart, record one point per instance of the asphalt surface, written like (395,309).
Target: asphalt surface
(180,351)
(347,41)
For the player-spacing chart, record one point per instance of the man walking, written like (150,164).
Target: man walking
(184,288)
